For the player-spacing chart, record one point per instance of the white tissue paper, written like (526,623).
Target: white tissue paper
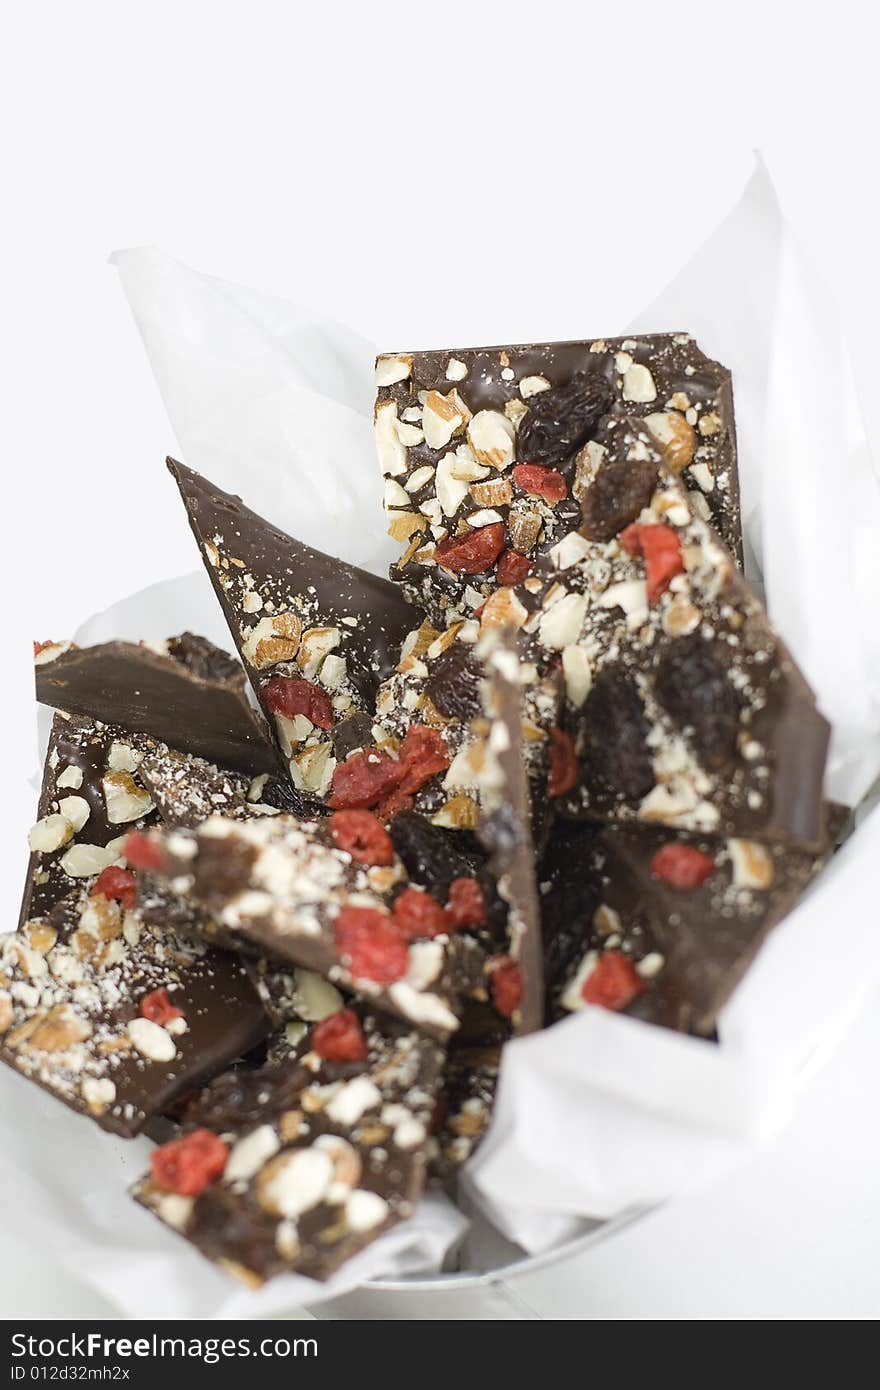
(601,1115)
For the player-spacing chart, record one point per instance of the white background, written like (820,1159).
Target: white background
(429,174)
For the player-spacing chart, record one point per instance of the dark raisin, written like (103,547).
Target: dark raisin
(693,686)
(570,893)
(434,857)
(618,493)
(453,683)
(560,421)
(617,757)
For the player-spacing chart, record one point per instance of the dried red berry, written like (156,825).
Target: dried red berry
(187,1166)
(392,805)
(158,1008)
(416,913)
(466,906)
(291,695)
(141,851)
(512,568)
(115,883)
(371,944)
(41,647)
(682,866)
(363,780)
(563,763)
(340,1038)
(661,548)
(614,982)
(360,835)
(422,754)
(474,553)
(538,481)
(507,986)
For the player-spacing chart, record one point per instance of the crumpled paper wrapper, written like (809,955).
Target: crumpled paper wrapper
(601,1115)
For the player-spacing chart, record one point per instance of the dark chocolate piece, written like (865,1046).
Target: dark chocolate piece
(185,692)
(683,703)
(465,1105)
(73,1016)
(298,616)
(282,887)
(453,429)
(322,1158)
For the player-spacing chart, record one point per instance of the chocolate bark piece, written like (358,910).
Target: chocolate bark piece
(72,1015)
(282,887)
(187,790)
(685,706)
(297,614)
(323,1157)
(185,692)
(688,947)
(453,427)
(91,795)
(465,1105)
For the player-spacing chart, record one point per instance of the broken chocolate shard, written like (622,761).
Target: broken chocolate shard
(316,636)
(297,1166)
(283,888)
(185,692)
(483,451)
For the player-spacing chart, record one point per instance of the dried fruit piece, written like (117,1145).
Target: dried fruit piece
(563,763)
(561,420)
(340,1038)
(453,683)
(417,914)
(371,944)
(142,852)
(507,986)
(620,490)
(291,695)
(539,481)
(693,687)
(422,755)
(187,1166)
(116,883)
(158,1008)
(512,568)
(616,735)
(474,553)
(613,983)
(362,836)
(363,780)
(682,866)
(661,547)
(466,906)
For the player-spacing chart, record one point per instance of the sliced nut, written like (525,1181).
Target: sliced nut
(98,1093)
(40,936)
(561,624)
(6,1011)
(394,495)
(393,367)
(124,799)
(291,1125)
(81,861)
(76,810)
(675,437)
(532,386)
(364,1210)
(681,617)
(249,1155)
(50,834)
(54,1031)
(569,551)
(492,438)
(630,595)
(709,424)
(607,921)
(515,411)
(251,601)
(458,813)
(314,997)
(346,1160)
(638,384)
(752,864)
(315,644)
(578,673)
(123,758)
(524,528)
(451,491)
(503,608)
(71,777)
(456,370)
(443,417)
(419,478)
(498,492)
(401,525)
(272,640)
(389,446)
(295,1181)
(151,1040)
